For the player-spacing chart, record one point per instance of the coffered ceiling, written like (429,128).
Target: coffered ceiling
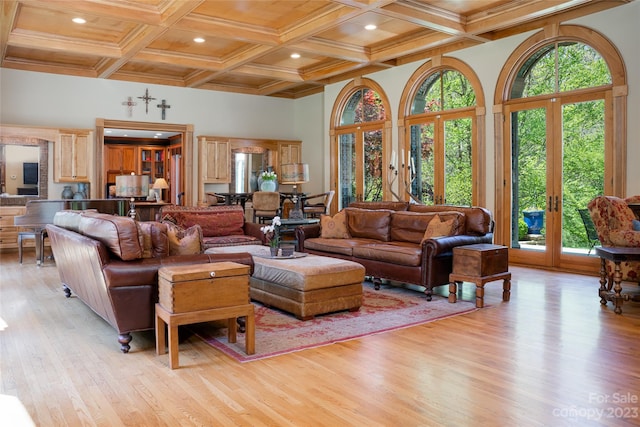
(248,44)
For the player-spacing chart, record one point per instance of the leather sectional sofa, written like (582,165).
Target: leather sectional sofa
(111,263)
(388,239)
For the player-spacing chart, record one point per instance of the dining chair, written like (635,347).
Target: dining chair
(314,210)
(266,205)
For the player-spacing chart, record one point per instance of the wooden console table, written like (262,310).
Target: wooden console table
(613,291)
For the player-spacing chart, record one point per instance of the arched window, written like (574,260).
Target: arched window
(556,98)
(359,139)
(441,135)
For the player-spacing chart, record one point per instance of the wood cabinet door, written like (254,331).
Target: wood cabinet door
(290,152)
(119,160)
(71,160)
(215,162)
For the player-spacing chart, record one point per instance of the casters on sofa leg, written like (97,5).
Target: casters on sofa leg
(124,340)
(67,291)
(242,324)
(376,283)
(428,293)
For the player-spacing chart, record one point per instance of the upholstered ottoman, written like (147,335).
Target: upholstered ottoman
(305,287)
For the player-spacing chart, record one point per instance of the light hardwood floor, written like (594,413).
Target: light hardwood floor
(552,356)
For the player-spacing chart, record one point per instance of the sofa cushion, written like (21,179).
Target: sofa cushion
(478,220)
(118,233)
(155,241)
(399,253)
(232,240)
(336,246)
(69,219)
(184,241)
(411,226)
(214,221)
(334,227)
(369,223)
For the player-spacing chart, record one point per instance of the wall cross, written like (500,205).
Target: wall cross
(164,106)
(130,103)
(146,98)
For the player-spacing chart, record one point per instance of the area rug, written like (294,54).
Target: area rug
(277,332)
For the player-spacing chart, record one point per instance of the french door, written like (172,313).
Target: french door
(360,164)
(557,165)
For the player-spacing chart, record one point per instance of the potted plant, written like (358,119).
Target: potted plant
(272,233)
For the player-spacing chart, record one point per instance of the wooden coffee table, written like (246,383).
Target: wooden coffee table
(606,292)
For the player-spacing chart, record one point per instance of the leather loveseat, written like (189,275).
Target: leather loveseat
(390,239)
(111,263)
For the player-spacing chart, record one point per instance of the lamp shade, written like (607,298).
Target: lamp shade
(294,173)
(160,184)
(132,186)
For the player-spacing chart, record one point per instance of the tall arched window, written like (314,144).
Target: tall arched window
(557,144)
(359,142)
(441,134)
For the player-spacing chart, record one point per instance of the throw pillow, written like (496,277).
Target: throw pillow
(184,242)
(438,228)
(334,227)
(635,224)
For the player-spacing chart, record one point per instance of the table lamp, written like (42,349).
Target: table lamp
(295,173)
(132,186)
(158,186)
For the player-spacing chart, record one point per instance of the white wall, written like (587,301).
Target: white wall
(619,24)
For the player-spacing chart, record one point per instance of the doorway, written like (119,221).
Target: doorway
(178,174)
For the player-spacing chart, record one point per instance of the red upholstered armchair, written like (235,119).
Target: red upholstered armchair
(614,223)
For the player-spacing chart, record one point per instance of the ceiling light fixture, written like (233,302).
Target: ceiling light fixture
(79,20)
(198,40)
(295,55)
(370,27)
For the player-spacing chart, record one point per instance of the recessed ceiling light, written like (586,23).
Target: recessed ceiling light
(79,20)
(295,55)
(370,27)
(198,40)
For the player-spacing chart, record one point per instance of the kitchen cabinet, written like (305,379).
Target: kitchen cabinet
(71,156)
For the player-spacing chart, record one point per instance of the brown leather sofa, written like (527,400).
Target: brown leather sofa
(388,239)
(221,225)
(112,266)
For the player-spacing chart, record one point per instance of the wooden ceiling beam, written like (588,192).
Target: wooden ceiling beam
(62,44)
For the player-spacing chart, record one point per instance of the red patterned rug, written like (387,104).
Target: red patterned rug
(277,332)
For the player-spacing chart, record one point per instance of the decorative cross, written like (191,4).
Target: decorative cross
(146,98)
(130,103)
(164,106)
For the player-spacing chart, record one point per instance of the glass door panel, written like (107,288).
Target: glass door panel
(529,178)
(458,181)
(373,165)
(347,187)
(422,138)
(582,170)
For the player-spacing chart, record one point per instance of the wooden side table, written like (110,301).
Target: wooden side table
(480,264)
(616,255)
(174,320)
(202,293)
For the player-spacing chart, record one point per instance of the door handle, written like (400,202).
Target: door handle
(556,203)
(550,204)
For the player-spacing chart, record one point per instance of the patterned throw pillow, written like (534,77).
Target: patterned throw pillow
(334,227)
(184,242)
(438,228)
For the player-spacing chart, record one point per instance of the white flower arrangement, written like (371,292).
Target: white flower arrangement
(272,231)
(268,176)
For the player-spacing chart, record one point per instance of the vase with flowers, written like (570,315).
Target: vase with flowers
(268,182)
(272,233)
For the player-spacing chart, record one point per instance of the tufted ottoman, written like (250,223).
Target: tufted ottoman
(306,286)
